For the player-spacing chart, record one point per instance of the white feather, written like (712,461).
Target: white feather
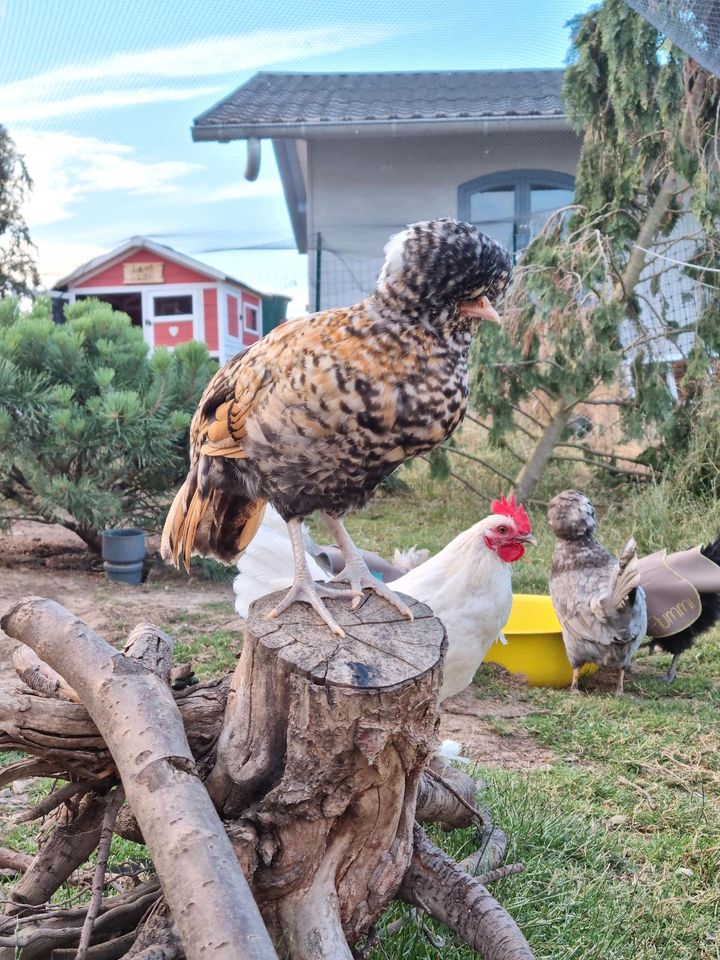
(407,560)
(450,750)
(394,255)
(470,589)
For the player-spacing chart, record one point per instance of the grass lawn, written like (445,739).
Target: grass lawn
(620,831)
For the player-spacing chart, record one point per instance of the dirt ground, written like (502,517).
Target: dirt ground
(51,562)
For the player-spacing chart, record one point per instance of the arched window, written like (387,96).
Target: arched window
(512,206)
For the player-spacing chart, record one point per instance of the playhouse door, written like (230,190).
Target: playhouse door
(170,316)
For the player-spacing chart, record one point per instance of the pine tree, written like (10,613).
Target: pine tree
(575,316)
(18,274)
(93,430)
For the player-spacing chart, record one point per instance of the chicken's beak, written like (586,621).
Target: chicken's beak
(528,538)
(480,309)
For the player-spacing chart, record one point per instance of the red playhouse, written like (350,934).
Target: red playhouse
(175,298)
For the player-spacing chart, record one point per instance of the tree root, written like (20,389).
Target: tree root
(437,884)
(447,796)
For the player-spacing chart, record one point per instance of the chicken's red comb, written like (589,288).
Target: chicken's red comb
(516,511)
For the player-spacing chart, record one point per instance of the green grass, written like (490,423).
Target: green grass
(621,835)
(212,651)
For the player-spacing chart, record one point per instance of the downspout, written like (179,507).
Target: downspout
(252,164)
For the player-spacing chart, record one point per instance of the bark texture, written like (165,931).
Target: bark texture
(321,751)
(134,711)
(544,447)
(470,911)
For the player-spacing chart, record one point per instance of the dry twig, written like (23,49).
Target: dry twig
(114,802)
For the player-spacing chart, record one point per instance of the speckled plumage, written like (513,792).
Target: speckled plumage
(321,410)
(598,599)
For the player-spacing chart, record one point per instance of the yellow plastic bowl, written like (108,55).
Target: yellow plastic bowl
(534,645)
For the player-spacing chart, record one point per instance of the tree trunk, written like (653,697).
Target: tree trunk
(544,448)
(671,186)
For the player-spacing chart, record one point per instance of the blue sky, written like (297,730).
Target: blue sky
(100,95)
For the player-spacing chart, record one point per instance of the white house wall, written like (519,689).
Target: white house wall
(362,190)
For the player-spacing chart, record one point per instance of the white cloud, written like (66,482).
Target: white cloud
(66,168)
(26,111)
(55,92)
(57,260)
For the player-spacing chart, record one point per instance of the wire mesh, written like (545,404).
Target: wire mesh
(694,25)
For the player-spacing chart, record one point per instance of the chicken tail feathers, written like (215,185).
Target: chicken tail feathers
(217,524)
(628,576)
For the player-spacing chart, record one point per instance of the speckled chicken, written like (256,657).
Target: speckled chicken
(319,412)
(598,599)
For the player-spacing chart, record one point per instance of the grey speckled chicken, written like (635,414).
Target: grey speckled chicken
(598,599)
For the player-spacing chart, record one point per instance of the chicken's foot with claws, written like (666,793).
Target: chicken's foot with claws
(305,590)
(356,571)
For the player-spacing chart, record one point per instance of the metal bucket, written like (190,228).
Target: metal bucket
(123,552)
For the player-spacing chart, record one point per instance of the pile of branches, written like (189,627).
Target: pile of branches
(133,757)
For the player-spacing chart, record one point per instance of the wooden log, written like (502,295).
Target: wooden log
(321,751)
(135,713)
(67,848)
(65,737)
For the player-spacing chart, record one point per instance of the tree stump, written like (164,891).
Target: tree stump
(321,751)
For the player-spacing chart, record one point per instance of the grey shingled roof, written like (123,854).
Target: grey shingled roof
(320,99)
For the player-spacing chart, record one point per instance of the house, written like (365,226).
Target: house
(175,298)
(362,155)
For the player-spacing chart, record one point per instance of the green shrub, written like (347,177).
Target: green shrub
(93,429)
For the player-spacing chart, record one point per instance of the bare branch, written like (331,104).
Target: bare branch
(113,804)
(25,769)
(484,463)
(40,677)
(57,797)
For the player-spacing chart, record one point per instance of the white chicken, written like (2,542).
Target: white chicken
(468,584)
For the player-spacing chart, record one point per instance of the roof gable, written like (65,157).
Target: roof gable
(103,270)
